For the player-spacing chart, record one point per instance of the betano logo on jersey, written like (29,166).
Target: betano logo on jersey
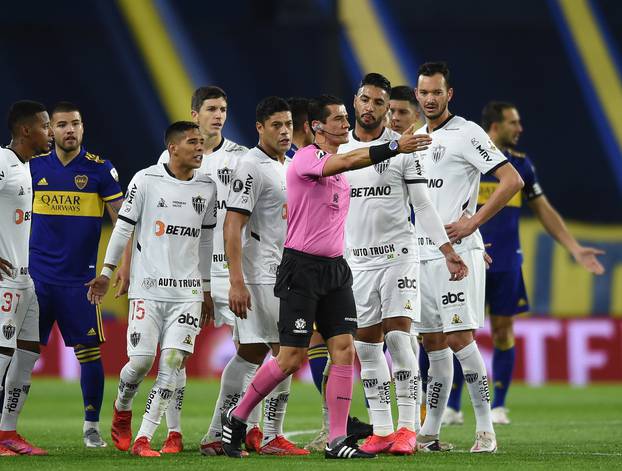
(162,228)
(21,216)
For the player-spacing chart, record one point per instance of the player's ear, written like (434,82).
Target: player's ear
(259,127)
(195,116)
(450,94)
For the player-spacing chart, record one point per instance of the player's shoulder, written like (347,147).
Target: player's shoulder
(94,158)
(231,147)
(389,135)
(39,157)
(204,179)
(517,154)
(310,151)
(153,172)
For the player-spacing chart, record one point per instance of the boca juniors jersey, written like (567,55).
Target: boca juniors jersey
(67,215)
(501,231)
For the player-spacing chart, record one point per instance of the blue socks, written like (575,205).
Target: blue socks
(91,380)
(318,357)
(502,370)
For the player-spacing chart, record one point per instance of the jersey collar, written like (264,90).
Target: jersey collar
(356,138)
(80,155)
(442,125)
(171,174)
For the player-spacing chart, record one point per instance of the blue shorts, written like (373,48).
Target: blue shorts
(79,321)
(505,293)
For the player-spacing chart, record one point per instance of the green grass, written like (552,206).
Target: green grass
(553,427)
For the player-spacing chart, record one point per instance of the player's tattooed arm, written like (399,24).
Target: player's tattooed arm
(113,209)
(6,267)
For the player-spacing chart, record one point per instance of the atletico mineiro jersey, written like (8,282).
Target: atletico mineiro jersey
(501,231)
(67,215)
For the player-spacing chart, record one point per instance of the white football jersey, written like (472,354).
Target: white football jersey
(460,152)
(378,228)
(15,214)
(169,215)
(219,166)
(258,190)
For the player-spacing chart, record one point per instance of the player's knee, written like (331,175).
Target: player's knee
(503,339)
(86,354)
(291,359)
(141,364)
(458,340)
(343,354)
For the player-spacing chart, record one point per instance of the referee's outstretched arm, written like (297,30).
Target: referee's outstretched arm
(359,158)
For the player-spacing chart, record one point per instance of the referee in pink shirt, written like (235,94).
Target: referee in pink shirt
(314,282)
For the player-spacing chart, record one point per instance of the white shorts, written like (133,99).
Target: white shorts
(382,293)
(220,296)
(450,306)
(261,324)
(19,316)
(170,324)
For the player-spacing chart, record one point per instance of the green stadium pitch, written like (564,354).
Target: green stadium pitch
(554,427)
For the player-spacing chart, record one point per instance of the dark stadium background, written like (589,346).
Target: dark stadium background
(526,52)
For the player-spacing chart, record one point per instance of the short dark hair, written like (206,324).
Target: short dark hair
(175,130)
(21,112)
(205,93)
(318,108)
(404,93)
(300,111)
(64,107)
(432,68)
(493,113)
(268,106)
(376,80)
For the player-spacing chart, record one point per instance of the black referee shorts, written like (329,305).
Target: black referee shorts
(313,289)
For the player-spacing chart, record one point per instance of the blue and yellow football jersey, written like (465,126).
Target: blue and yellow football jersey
(67,211)
(501,231)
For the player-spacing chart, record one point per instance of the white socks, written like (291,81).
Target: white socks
(232,383)
(377,384)
(132,374)
(476,380)
(173,413)
(275,405)
(440,377)
(405,376)
(5,360)
(162,392)
(17,386)
(414,342)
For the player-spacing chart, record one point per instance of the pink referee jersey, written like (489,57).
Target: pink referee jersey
(317,206)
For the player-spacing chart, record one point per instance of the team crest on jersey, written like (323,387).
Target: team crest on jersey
(381,167)
(81,181)
(8,330)
(134,338)
(456,319)
(224,175)
(199,203)
(438,152)
(188,340)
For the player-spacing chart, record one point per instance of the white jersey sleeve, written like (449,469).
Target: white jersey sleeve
(133,203)
(479,149)
(4,171)
(245,187)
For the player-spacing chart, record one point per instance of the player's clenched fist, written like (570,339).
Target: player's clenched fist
(239,300)
(410,142)
(98,287)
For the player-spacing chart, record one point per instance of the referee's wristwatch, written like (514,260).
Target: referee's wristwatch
(394,145)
